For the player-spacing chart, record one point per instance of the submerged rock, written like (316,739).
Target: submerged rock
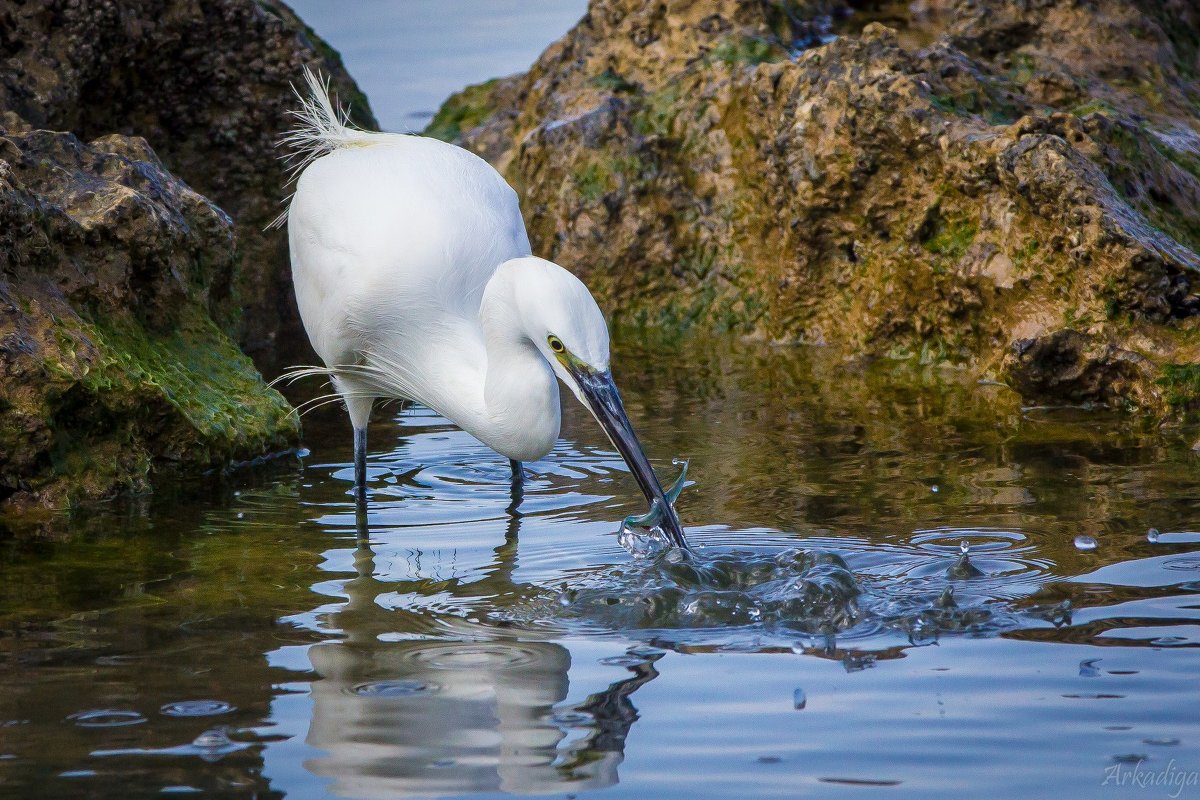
(111,274)
(1008,186)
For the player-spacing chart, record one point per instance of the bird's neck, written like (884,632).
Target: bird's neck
(520,394)
(517,412)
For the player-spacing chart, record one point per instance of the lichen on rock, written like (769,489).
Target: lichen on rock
(1012,188)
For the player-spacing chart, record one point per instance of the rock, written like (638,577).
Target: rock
(123,289)
(208,85)
(112,272)
(1008,186)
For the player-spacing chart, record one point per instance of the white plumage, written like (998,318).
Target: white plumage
(414,279)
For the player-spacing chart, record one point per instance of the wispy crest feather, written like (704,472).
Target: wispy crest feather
(320,129)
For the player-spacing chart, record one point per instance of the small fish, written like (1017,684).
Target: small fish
(658,513)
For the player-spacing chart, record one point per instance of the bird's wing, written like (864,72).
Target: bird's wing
(392,244)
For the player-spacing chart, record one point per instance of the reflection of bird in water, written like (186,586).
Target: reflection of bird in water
(426,716)
(414,279)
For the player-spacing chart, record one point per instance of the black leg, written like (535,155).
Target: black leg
(518,473)
(518,488)
(360,462)
(510,534)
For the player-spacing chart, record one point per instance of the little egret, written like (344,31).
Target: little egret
(415,280)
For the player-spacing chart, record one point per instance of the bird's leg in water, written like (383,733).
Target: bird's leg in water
(360,462)
(362,523)
(514,508)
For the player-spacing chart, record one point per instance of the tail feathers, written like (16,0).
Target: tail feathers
(319,129)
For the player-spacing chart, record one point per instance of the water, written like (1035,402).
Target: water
(237,637)
(410,56)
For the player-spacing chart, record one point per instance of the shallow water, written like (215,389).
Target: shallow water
(240,637)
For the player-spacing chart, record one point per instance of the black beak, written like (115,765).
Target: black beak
(605,403)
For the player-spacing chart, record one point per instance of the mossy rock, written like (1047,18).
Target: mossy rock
(1022,207)
(113,370)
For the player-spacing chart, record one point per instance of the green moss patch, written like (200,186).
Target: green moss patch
(746,50)
(200,373)
(951,237)
(1181,386)
(463,111)
(122,401)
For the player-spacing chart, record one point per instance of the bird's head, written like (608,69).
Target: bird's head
(560,317)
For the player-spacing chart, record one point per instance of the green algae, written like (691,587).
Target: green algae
(746,51)
(592,181)
(200,373)
(598,176)
(656,112)
(463,111)
(951,237)
(1181,386)
(612,82)
(122,402)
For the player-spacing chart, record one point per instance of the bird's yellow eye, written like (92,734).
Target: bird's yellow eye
(556,344)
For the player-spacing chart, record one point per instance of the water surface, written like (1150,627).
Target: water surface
(410,56)
(248,637)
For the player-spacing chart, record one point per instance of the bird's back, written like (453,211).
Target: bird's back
(397,235)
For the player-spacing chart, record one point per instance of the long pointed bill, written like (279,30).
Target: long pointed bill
(605,403)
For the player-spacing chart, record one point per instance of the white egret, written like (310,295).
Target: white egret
(414,280)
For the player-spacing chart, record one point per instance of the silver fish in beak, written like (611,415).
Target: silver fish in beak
(604,401)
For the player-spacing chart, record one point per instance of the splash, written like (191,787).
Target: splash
(728,598)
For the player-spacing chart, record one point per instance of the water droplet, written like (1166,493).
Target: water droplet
(1152,536)
(196,708)
(214,739)
(106,718)
(964,546)
(1086,543)
(392,688)
(639,543)
(1167,741)
(241,515)
(934,488)
(963,568)
(799,699)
